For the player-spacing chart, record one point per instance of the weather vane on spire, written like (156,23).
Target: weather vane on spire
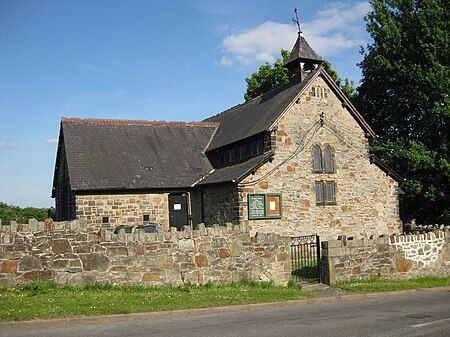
(297,21)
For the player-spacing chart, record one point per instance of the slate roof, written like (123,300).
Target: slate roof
(236,172)
(123,155)
(255,116)
(302,51)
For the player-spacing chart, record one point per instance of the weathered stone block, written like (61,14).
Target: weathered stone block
(201,261)
(59,264)
(186,245)
(164,262)
(82,249)
(82,278)
(152,278)
(223,253)
(116,251)
(403,265)
(61,246)
(27,263)
(9,266)
(39,275)
(94,261)
(356,270)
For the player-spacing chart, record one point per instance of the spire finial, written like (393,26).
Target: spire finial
(297,21)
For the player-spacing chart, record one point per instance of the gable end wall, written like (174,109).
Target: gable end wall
(366,199)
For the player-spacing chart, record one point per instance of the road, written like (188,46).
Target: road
(411,313)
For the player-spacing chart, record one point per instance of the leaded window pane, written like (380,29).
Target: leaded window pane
(331,197)
(317,154)
(319,192)
(329,163)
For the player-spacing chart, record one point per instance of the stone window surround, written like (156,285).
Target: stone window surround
(321,187)
(323,160)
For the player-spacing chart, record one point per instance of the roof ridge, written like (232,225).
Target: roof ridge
(133,122)
(271,91)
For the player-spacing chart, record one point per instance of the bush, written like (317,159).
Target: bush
(10,213)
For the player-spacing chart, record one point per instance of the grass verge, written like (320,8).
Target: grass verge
(380,285)
(45,300)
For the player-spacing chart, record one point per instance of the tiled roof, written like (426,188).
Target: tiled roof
(128,155)
(255,116)
(302,51)
(237,172)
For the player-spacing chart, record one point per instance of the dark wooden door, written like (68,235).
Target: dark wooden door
(178,210)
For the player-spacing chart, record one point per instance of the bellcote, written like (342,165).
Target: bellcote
(302,57)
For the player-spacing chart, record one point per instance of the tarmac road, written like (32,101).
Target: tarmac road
(409,313)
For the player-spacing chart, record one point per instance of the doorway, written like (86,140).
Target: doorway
(178,210)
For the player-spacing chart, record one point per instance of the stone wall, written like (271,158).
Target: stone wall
(366,198)
(75,253)
(395,257)
(222,204)
(123,209)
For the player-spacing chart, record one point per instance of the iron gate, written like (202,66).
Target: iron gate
(305,256)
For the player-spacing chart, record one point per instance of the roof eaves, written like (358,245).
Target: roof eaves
(267,157)
(202,178)
(390,172)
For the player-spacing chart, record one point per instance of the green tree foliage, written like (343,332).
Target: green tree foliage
(273,76)
(267,78)
(405,96)
(10,213)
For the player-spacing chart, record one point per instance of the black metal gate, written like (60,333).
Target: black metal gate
(305,256)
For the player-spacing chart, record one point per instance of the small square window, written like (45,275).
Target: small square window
(146,218)
(105,219)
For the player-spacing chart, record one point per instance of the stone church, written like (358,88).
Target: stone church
(293,161)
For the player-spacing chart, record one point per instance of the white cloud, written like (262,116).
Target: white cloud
(337,28)
(7,145)
(52,141)
(331,31)
(260,44)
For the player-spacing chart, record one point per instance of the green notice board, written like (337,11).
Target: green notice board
(264,206)
(256,206)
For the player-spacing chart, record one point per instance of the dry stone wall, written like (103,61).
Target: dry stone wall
(405,256)
(77,253)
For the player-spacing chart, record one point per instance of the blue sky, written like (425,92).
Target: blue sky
(142,59)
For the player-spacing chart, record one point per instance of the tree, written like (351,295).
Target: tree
(270,77)
(405,96)
(267,78)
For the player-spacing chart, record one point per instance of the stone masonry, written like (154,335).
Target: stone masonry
(123,209)
(366,198)
(399,257)
(77,253)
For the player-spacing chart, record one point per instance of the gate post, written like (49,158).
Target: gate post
(319,273)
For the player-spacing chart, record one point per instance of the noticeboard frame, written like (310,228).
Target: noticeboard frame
(262,212)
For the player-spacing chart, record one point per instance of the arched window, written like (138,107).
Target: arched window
(329,160)
(317,157)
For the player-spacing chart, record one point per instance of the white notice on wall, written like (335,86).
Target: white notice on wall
(176,207)
(272,205)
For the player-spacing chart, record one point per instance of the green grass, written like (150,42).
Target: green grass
(380,285)
(45,300)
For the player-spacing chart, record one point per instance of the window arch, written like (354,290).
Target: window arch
(317,159)
(329,160)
